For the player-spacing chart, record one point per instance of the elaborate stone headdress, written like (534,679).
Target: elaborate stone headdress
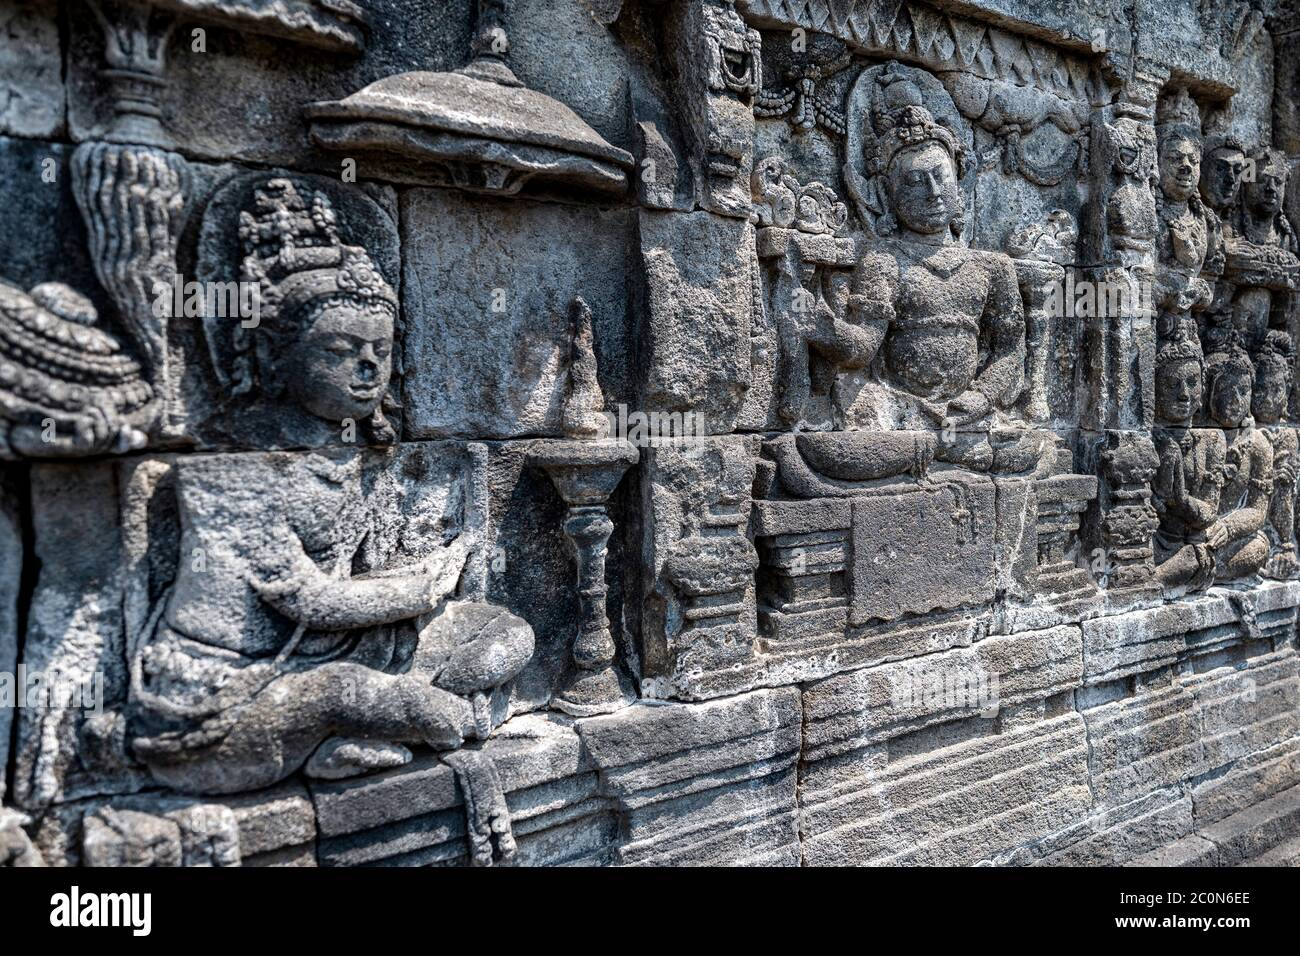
(1230,358)
(1276,352)
(1178,114)
(293,252)
(901,122)
(1181,346)
(892,108)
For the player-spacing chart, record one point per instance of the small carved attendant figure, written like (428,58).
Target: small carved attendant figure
(1222,166)
(1185,221)
(1272,386)
(320,357)
(1262,221)
(1261,261)
(947,321)
(1237,537)
(1189,480)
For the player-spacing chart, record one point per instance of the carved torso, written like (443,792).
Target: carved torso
(944,301)
(1248,480)
(1185,238)
(274,515)
(1188,485)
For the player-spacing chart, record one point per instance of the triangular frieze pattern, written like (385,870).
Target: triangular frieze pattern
(939,40)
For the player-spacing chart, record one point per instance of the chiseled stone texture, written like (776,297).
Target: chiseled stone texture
(488,287)
(650,443)
(709,783)
(31,81)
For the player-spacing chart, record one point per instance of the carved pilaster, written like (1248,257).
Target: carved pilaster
(1120,541)
(717,60)
(586,474)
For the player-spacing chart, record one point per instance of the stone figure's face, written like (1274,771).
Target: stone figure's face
(1265,194)
(1180,167)
(1221,176)
(1270,396)
(339,368)
(1178,391)
(1230,397)
(923,189)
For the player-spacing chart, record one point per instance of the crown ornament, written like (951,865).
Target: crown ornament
(293,251)
(902,121)
(1178,113)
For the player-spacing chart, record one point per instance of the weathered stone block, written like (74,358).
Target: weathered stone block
(487,347)
(699,275)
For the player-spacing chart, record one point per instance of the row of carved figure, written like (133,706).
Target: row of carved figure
(277,657)
(293,644)
(1226,282)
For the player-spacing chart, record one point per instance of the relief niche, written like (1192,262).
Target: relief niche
(298,639)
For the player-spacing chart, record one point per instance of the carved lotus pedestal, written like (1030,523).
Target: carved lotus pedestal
(586,474)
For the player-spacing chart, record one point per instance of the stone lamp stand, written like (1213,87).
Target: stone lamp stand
(586,468)
(586,474)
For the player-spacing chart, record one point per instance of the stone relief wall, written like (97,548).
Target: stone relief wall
(649,432)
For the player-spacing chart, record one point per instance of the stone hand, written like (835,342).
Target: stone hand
(1217,535)
(1230,467)
(442,570)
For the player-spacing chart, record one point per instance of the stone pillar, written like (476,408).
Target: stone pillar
(586,474)
(1118,243)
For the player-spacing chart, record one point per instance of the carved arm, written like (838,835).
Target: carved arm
(303,592)
(1004,312)
(1253,514)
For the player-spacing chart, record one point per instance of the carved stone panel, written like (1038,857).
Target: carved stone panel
(633,432)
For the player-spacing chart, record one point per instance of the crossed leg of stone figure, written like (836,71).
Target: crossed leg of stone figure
(469,650)
(462,658)
(272,735)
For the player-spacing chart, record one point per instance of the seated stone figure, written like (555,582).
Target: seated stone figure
(936,329)
(1212,492)
(1188,483)
(1241,547)
(268,645)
